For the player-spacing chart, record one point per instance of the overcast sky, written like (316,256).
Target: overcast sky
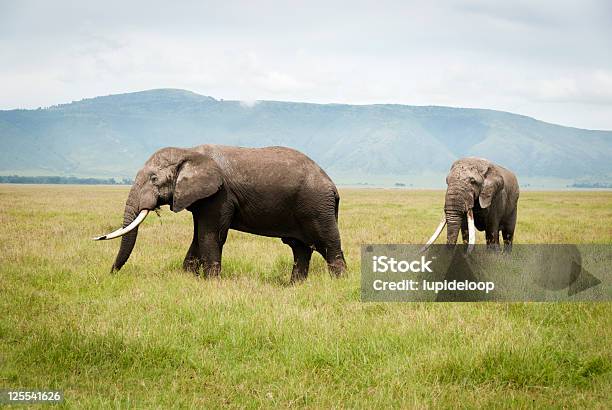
(551,60)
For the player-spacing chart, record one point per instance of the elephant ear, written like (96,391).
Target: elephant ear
(198,176)
(493,183)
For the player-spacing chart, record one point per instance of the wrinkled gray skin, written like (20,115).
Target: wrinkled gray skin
(492,193)
(273,191)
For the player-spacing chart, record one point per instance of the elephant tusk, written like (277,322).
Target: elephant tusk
(435,235)
(471,231)
(122,231)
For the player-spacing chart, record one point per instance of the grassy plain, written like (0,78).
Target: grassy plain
(155,336)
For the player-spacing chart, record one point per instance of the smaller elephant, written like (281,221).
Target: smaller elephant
(480,195)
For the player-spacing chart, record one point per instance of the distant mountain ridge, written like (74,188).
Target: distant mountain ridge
(112,136)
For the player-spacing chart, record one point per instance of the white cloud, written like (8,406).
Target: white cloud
(249,103)
(593,87)
(544,59)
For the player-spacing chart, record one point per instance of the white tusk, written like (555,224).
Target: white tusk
(471,231)
(435,235)
(122,231)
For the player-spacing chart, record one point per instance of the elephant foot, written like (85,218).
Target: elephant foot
(298,274)
(191,265)
(337,267)
(212,270)
(507,248)
(493,247)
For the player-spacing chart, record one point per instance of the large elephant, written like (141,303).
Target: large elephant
(480,195)
(273,191)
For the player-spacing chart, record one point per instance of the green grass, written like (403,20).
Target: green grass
(155,336)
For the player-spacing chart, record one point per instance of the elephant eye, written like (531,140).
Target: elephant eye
(154,179)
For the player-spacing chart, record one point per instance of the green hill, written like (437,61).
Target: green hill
(112,136)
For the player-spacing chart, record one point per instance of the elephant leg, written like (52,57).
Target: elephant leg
(508,232)
(211,249)
(336,264)
(508,237)
(329,246)
(333,255)
(214,220)
(492,235)
(192,259)
(301,259)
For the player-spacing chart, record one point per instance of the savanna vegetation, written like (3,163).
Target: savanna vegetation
(153,335)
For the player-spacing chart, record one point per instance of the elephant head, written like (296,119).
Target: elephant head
(172,176)
(472,184)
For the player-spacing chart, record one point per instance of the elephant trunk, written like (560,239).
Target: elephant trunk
(128,240)
(453,222)
(455,207)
